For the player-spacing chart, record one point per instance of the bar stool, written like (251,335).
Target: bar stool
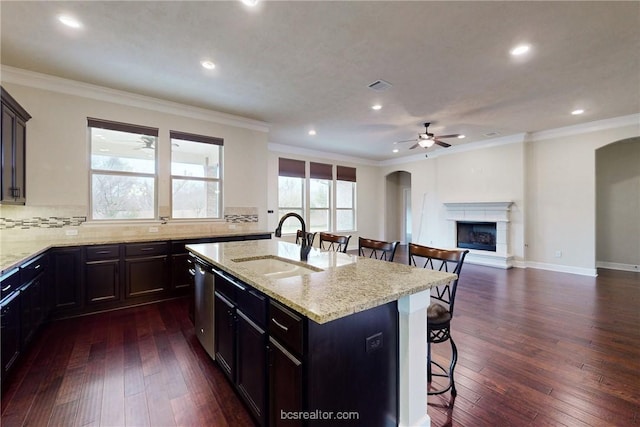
(310,237)
(334,242)
(377,249)
(440,311)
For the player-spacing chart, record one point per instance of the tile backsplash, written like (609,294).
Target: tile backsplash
(20,222)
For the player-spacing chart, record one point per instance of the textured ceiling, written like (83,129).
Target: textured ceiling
(307,64)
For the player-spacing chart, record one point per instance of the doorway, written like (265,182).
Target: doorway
(398,223)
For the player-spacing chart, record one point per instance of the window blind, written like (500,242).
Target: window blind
(122,127)
(320,171)
(345,173)
(290,167)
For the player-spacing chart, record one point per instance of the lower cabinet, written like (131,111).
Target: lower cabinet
(66,277)
(146,268)
(102,274)
(285,386)
(10,336)
(225,335)
(292,371)
(240,341)
(252,368)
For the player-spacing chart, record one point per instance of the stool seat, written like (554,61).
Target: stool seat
(437,314)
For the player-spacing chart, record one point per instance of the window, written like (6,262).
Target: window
(320,182)
(196,176)
(123,170)
(345,198)
(291,190)
(325,209)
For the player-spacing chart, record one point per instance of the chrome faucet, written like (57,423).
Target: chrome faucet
(306,240)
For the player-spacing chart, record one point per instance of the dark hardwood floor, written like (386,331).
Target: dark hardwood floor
(535,348)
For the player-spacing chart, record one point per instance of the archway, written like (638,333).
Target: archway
(618,205)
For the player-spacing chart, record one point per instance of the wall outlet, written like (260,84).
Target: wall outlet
(558,254)
(153,229)
(71,232)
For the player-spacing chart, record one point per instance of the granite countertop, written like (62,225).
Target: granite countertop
(347,284)
(14,253)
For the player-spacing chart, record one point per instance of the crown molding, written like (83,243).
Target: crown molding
(580,129)
(290,149)
(85,90)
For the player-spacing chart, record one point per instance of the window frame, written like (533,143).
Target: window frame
(324,171)
(202,139)
(94,123)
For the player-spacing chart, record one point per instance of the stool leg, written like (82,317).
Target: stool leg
(428,361)
(454,359)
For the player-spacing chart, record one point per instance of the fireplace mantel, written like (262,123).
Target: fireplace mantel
(497,212)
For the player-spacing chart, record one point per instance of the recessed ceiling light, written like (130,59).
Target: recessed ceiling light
(208,65)
(395,150)
(69,21)
(461,136)
(577,112)
(249,3)
(312,132)
(376,107)
(520,50)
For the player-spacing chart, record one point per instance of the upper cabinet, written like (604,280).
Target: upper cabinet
(14,140)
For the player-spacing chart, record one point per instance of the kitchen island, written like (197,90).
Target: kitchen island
(358,328)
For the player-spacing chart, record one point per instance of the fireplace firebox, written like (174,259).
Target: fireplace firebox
(476,235)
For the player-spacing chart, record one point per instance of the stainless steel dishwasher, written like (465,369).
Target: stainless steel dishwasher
(204,307)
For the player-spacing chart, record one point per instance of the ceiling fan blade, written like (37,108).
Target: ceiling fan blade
(453,135)
(414,146)
(442,144)
(406,140)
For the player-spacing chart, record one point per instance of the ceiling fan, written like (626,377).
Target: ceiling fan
(148,143)
(427,139)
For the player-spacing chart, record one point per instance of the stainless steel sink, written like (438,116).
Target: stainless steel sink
(275,267)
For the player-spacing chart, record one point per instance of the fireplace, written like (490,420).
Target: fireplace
(483,228)
(476,235)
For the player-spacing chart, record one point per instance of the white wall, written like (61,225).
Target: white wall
(561,202)
(487,174)
(58,156)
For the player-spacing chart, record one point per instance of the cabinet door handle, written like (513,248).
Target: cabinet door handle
(37,267)
(146,249)
(103,252)
(280,325)
(6,288)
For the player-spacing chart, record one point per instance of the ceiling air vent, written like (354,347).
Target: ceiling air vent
(380,85)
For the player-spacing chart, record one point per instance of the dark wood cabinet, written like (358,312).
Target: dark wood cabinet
(285,386)
(225,335)
(102,274)
(146,269)
(251,370)
(241,340)
(10,331)
(66,275)
(13,149)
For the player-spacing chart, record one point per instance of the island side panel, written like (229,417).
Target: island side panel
(353,367)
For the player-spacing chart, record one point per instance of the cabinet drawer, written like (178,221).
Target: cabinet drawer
(254,304)
(32,268)
(10,282)
(97,253)
(286,326)
(146,249)
(229,287)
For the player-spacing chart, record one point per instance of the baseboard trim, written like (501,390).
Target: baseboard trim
(563,268)
(618,266)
